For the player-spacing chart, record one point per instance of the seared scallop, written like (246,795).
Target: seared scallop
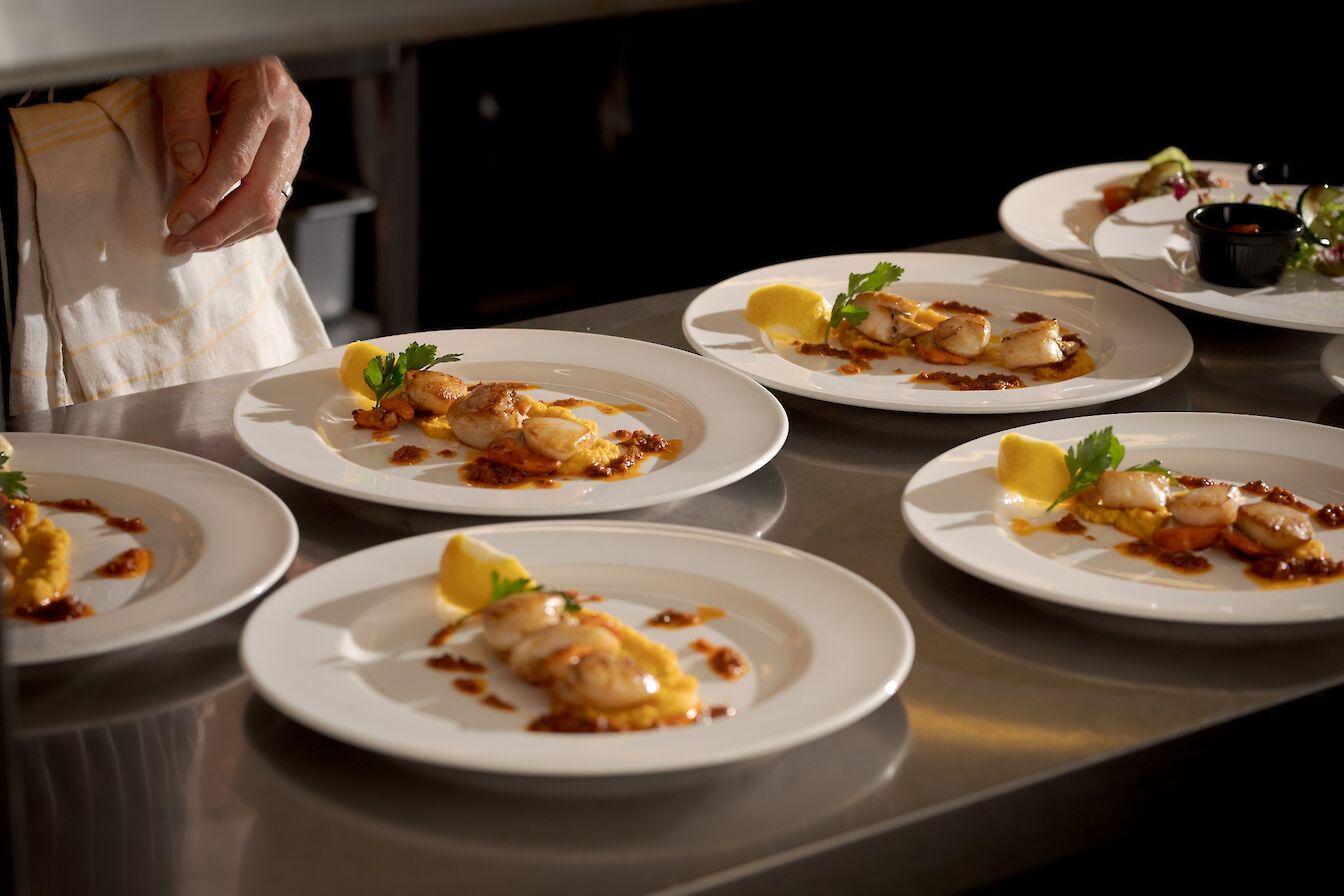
(484,414)
(433,392)
(555,437)
(1125,490)
(1034,345)
(890,317)
(511,619)
(1211,505)
(542,655)
(963,334)
(605,681)
(1275,526)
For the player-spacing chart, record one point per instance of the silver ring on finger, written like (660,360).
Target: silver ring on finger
(287,190)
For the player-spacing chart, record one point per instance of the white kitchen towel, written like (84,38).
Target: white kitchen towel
(101,309)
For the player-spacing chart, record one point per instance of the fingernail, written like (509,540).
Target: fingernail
(181,247)
(187,154)
(181,224)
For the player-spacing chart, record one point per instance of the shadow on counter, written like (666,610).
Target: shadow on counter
(1118,649)
(290,775)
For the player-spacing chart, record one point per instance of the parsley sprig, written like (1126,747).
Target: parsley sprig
(386,374)
(873,281)
(501,588)
(12,481)
(1094,455)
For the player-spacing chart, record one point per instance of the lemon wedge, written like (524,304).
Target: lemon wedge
(357,356)
(465,583)
(789,312)
(1032,468)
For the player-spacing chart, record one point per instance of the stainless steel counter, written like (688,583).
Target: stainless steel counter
(1025,730)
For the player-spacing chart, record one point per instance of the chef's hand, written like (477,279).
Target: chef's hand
(258,140)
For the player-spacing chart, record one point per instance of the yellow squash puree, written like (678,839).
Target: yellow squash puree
(678,697)
(1076,364)
(42,569)
(436,427)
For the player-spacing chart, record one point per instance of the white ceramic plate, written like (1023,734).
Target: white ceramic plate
(1147,246)
(1055,215)
(296,420)
(1332,362)
(342,649)
(956,508)
(219,539)
(1136,343)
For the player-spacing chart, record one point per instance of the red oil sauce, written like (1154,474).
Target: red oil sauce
(963,383)
(446,662)
(1069,524)
(1280,571)
(1331,516)
(62,609)
(600,406)
(959,308)
(440,637)
(382,435)
(408,455)
(128,564)
(1029,317)
(678,619)
(84,505)
(494,702)
(725,661)
(473,686)
(559,724)
(1185,562)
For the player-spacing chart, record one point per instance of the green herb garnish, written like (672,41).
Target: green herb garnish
(1094,455)
(386,375)
(12,481)
(873,281)
(501,588)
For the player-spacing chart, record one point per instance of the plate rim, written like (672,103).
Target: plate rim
(766,454)
(640,766)
(288,549)
(1137,387)
(1060,595)
(1212,309)
(1089,265)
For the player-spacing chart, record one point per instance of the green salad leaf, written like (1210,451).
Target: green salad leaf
(501,588)
(386,374)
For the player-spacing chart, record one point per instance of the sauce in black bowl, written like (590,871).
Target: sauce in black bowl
(1241,244)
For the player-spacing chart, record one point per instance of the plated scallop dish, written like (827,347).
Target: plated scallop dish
(934,333)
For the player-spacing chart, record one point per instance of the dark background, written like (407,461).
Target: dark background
(581,164)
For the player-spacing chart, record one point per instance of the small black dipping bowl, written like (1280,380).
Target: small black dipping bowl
(1242,259)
